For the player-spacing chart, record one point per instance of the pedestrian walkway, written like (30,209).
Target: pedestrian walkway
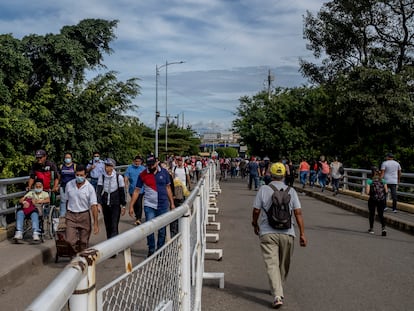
(234,203)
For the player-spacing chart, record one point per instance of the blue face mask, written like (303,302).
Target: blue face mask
(80,179)
(68,160)
(38,190)
(96,158)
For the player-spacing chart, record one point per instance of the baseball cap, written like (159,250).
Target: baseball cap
(110,162)
(40,153)
(278,169)
(390,155)
(150,159)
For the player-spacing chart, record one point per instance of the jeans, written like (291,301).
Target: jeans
(256,181)
(392,188)
(63,199)
(151,213)
(312,178)
(322,180)
(335,184)
(20,220)
(303,177)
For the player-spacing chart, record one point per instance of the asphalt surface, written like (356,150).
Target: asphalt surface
(342,268)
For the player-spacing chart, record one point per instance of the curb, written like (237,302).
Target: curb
(392,221)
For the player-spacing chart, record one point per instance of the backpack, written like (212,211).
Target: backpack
(325,167)
(341,170)
(279,215)
(377,190)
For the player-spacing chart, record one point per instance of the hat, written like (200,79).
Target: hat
(389,155)
(40,153)
(277,169)
(110,162)
(150,159)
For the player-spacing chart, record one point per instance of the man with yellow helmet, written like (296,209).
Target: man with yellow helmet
(277,244)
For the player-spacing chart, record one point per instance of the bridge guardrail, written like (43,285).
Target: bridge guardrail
(353,178)
(170,279)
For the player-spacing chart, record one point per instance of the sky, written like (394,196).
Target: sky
(227,48)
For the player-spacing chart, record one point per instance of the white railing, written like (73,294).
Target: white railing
(171,279)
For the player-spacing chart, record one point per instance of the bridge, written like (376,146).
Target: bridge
(343,267)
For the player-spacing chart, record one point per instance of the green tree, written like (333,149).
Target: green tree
(347,34)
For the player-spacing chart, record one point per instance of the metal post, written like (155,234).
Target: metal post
(166,110)
(156,111)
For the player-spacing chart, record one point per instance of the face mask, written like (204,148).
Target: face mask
(38,190)
(80,179)
(96,158)
(68,160)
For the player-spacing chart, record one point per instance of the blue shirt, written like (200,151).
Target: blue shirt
(132,172)
(155,187)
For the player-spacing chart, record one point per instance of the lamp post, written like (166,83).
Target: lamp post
(157,113)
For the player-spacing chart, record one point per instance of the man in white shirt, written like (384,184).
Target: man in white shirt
(182,173)
(81,199)
(391,172)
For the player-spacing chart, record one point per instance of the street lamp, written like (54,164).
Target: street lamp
(157,113)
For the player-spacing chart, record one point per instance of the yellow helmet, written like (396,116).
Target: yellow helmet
(278,169)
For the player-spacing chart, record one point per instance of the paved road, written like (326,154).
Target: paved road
(343,267)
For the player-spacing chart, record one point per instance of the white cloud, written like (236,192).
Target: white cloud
(228,47)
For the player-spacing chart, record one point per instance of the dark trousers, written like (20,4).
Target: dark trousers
(174,224)
(138,207)
(111,213)
(392,188)
(379,206)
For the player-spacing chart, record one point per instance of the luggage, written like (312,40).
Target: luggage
(63,248)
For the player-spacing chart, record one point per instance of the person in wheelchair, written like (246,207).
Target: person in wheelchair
(32,205)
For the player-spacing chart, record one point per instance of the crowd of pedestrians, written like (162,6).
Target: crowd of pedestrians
(86,190)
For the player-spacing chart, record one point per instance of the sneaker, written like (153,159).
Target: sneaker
(18,235)
(150,253)
(386,209)
(384,232)
(370,231)
(277,302)
(36,236)
(137,222)
(394,210)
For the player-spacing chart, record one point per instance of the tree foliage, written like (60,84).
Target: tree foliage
(363,106)
(47,102)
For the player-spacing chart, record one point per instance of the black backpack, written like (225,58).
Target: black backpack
(377,190)
(279,214)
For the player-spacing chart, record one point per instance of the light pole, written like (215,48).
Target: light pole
(157,113)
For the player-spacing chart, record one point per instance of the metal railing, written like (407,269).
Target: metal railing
(6,198)
(357,178)
(170,279)
(353,179)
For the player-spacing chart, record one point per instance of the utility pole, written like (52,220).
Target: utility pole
(270,79)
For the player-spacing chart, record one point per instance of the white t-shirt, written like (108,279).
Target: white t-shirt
(391,168)
(181,174)
(263,200)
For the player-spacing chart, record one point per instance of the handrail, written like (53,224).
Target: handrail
(353,177)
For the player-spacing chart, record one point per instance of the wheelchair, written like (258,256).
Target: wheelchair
(48,222)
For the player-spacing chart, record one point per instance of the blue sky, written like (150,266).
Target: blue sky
(227,47)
